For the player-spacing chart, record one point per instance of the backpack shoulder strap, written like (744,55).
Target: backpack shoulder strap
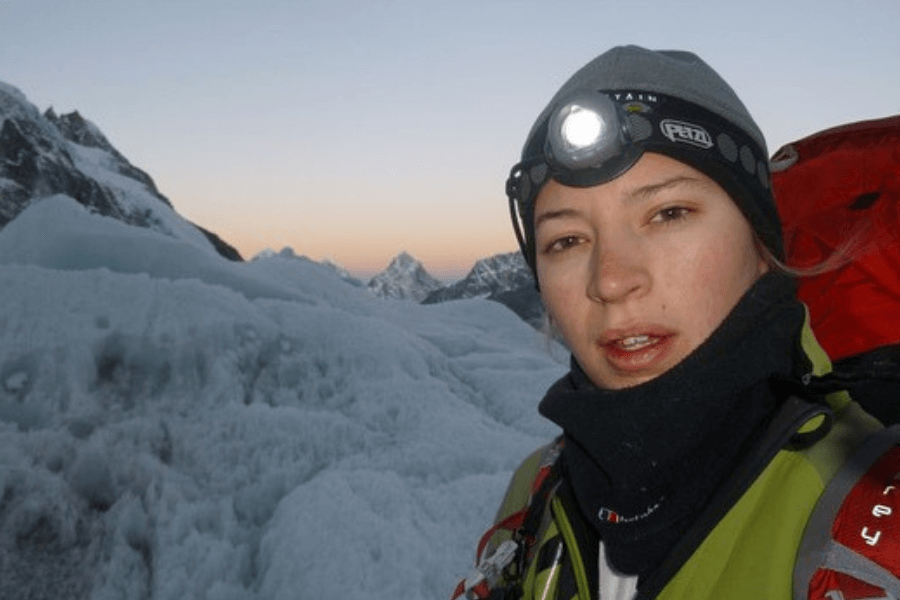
(506,547)
(851,546)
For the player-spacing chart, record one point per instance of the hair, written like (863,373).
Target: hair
(859,242)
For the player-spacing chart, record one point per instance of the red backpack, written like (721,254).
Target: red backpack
(839,187)
(835,185)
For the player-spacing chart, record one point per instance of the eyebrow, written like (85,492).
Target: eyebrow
(648,190)
(556,214)
(641,193)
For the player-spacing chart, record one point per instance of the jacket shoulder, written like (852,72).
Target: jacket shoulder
(851,547)
(519,490)
(754,547)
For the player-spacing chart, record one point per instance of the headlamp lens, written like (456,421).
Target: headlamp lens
(581,128)
(585,132)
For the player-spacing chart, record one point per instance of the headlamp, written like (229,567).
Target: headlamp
(585,132)
(591,137)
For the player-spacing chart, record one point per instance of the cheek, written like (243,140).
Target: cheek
(558,300)
(717,277)
(562,300)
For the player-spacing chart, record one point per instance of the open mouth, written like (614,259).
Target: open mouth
(637,342)
(638,352)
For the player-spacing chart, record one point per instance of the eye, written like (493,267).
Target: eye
(671,214)
(562,244)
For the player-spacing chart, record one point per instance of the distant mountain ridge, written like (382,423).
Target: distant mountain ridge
(288,253)
(45,155)
(504,278)
(405,278)
(489,276)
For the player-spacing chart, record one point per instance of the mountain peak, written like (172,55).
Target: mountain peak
(405,278)
(76,128)
(488,277)
(403,261)
(504,278)
(42,155)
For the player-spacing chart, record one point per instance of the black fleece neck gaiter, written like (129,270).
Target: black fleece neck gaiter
(643,461)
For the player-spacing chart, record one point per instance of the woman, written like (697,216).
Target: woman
(692,452)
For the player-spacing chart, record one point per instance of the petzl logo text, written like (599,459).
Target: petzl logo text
(679,131)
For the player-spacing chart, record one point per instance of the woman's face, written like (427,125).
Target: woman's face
(638,272)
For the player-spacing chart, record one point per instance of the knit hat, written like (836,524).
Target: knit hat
(669,102)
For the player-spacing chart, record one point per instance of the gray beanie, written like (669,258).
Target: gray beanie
(668,87)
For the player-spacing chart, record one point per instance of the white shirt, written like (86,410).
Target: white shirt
(614,585)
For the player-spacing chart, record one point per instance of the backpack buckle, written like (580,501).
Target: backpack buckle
(488,574)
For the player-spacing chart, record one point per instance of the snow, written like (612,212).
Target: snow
(173,425)
(132,195)
(14,104)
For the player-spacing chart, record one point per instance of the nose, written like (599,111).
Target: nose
(618,273)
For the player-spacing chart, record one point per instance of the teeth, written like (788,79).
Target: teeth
(636,341)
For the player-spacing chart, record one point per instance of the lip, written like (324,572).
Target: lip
(634,362)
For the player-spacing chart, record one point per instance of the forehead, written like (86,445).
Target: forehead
(650,175)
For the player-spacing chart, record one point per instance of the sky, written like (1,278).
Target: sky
(356,130)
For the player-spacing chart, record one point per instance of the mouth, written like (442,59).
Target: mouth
(636,342)
(637,352)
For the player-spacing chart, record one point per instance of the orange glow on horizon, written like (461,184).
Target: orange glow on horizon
(443,260)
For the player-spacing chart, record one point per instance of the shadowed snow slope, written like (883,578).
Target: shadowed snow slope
(45,155)
(174,425)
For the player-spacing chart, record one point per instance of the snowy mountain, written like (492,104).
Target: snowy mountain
(492,275)
(404,279)
(44,155)
(341,272)
(504,278)
(288,253)
(174,425)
